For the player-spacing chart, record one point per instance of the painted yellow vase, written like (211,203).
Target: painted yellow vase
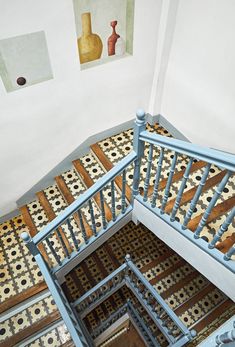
(89,45)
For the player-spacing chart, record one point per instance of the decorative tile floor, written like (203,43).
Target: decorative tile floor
(18,270)
(176,280)
(26,318)
(54,338)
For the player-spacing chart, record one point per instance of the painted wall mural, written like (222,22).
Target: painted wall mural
(24,61)
(104,30)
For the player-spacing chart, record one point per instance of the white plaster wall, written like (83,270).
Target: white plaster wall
(199,88)
(40,125)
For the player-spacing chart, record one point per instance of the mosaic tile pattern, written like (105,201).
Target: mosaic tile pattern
(120,145)
(26,318)
(95,171)
(18,270)
(54,338)
(176,276)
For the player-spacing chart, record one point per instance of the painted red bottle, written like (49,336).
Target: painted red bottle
(112,39)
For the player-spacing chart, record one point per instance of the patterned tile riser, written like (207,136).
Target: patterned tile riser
(18,269)
(55,338)
(140,239)
(26,318)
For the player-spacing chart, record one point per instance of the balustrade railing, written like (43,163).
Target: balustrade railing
(94,214)
(145,332)
(176,333)
(155,153)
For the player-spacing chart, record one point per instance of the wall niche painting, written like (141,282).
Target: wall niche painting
(24,61)
(104,30)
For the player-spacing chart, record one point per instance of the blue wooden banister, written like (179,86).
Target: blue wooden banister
(128,274)
(64,223)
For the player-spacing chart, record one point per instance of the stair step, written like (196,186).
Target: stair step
(32,229)
(69,199)
(51,215)
(213,315)
(216,212)
(89,183)
(21,297)
(189,194)
(28,322)
(107,165)
(177,176)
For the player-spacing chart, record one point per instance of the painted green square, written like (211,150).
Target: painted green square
(24,56)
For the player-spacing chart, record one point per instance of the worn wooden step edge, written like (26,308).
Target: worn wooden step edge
(32,329)
(179,285)
(156,261)
(89,183)
(26,294)
(189,194)
(194,299)
(214,314)
(216,212)
(226,244)
(33,230)
(108,165)
(51,215)
(68,344)
(177,176)
(172,268)
(69,199)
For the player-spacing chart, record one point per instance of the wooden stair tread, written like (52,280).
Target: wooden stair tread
(70,199)
(32,230)
(26,294)
(32,329)
(216,212)
(155,262)
(189,194)
(51,215)
(193,300)
(106,163)
(89,183)
(208,319)
(167,272)
(177,176)
(226,244)
(181,284)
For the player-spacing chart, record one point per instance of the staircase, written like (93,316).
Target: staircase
(197,302)
(192,297)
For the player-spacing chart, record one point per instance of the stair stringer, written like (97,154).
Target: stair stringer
(201,260)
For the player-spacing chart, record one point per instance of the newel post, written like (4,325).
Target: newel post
(29,243)
(138,146)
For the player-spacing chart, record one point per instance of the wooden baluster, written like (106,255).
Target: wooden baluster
(148,172)
(222,229)
(196,196)
(70,227)
(212,203)
(103,210)
(136,178)
(92,218)
(123,191)
(168,184)
(55,255)
(181,190)
(230,253)
(157,178)
(113,203)
(83,230)
(138,147)
(57,231)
